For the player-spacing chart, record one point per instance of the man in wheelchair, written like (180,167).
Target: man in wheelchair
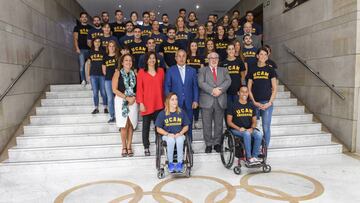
(241,119)
(172,123)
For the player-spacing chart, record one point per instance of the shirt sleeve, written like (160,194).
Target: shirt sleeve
(76,29)
(160,120)
(272,73)
(185,118)
(229,111)
(242,66)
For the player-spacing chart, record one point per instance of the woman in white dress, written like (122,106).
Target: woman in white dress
(126,109)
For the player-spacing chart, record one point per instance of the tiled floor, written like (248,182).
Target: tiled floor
(327,179)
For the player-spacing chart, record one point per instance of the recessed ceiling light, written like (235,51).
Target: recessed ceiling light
(197,6)
(119,6)
(158,13)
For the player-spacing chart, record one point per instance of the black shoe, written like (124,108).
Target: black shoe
(208,149)
(95,111)
(112,120)
(217,148)
(106,110)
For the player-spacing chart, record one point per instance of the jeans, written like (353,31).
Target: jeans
(179,141)
(256,136)
(146,127)
(266,116)
(110,97)
(82,56)
(98,83)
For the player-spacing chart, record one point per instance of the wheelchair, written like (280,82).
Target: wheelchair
(162,159)
(233,146)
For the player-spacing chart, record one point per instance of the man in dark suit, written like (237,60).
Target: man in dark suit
(182,80)
(213,82)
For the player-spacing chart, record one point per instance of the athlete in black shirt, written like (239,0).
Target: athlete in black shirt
(137,47)
(169,48)
(118,27)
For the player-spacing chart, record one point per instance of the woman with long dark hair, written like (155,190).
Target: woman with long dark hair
(126,109)
(150,94)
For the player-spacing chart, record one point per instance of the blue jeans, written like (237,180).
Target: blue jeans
(82,56)
(256,135)
(110,97)
(98,83)
(266,116)
(179,141)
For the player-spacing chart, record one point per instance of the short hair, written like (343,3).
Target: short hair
(236,11)
(247,12)
(134,12)
(192,12)
(137,27)
(127,22)
(148,39)
(262,49)
(145,12)
(171,28)
(182,9)
(96,17)
(83,13)
(180,50)
(215,15)
(209,22)
(268,47)
(165,14)
(247,35)
(212,53)
(117,11)
(104,12)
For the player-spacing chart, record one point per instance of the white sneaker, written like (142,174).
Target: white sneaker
(253,161)
(197,125)
(83,83)
(258,159)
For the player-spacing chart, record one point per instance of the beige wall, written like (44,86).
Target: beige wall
(25,26)
(324,33)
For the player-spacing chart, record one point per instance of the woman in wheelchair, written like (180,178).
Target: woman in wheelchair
(241,119)
(172,123)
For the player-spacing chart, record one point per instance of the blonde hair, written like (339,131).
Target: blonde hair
(117,52)
(167,104)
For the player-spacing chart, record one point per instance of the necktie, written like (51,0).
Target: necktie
(214,73)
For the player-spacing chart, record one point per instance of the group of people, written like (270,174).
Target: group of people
(169,73)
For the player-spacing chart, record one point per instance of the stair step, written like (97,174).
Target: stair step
(114,138)
(89,102)
(111,128)
(112,151)
(89,94)
(77,87)
(278,110)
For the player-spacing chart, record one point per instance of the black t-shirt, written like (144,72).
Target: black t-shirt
(182,38)
(242,114)
(118,29)
(159,39)
(111,64)
(220,47)
(82,31)
(271,63)
(257,29)
(125,40)
(201,46)
(96,58)
(169,50)
(195,62)
(235,68)
(163,28)
(193,29)
(146,30)
(105,41)
(137,49)
(94,32)
(261,77)
(250,56)
(210,36)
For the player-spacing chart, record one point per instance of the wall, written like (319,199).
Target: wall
(25,27)
(324,33)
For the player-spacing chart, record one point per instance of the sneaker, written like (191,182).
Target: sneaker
(171,167)
(112,120)
(95,111)
(217,148)
(147,152)
(208,149)
(259,159)
(106,110)
(179,167)
(197,125)
(253,161)
(83,83)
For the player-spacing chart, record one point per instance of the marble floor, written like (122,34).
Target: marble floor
(329,178)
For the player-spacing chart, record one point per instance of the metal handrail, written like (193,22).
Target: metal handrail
(25,68)
(317,74)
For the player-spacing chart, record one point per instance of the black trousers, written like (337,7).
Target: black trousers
(146,127)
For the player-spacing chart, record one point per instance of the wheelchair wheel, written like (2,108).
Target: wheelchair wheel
(237,170)
(189,154)
(227,149)
(266,168)
(161,173)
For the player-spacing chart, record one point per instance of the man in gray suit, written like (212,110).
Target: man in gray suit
(213,82)
(256,39)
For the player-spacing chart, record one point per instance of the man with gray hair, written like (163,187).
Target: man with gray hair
(256,39)
(213,83)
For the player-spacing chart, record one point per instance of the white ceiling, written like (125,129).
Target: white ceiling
(171,7)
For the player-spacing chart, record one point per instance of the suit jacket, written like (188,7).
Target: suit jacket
(207,84)
(187,92)
(255,38)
